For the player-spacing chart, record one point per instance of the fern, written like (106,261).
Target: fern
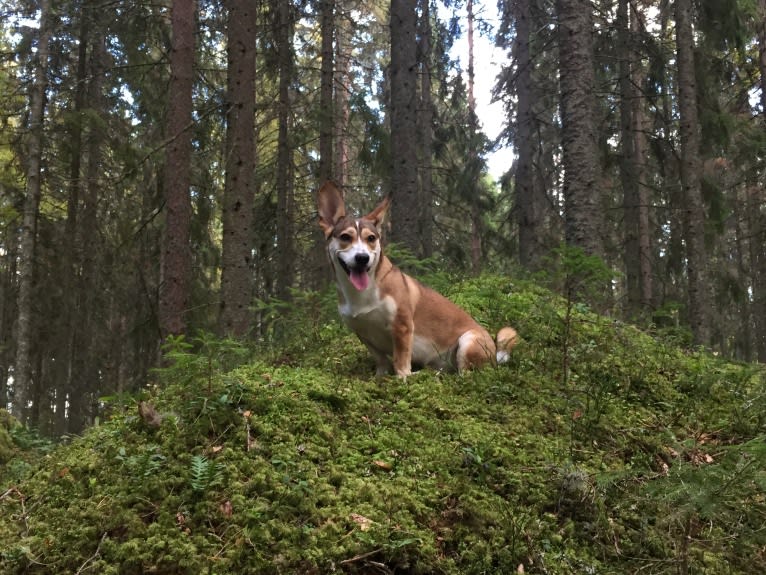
(204,474)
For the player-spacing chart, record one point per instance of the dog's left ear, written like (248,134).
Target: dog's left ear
(377,215)
(331,207)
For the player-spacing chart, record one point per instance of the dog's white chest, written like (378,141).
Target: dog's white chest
(370,317)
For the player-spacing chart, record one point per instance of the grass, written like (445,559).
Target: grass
(597,449)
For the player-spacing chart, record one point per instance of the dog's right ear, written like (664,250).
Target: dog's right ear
(331,207)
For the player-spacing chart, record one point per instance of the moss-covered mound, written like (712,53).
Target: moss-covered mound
(597,449)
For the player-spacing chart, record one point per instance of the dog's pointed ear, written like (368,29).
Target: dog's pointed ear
(377,215)
(331,207)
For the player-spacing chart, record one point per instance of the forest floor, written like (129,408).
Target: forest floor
(598,448)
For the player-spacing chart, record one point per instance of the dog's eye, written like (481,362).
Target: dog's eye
(345,237)
(371,239)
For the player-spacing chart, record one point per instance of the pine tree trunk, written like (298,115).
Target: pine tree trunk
(425,120)
(7,310)
(326,82)
(527,210)
(25,334)
(639,161)
(758,229)
(674,258)
(405,219)
(582,196)
(694,210)
(328,168)
(637,252)
(69,326)
(237,216)
(473,153)
(343,88)
(89,350)
(742,342)
(284,181)
(175,286)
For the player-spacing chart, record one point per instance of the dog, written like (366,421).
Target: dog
(403,323)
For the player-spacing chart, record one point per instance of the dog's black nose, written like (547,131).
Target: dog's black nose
(361,260)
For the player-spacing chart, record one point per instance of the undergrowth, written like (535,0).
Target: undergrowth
(596,449)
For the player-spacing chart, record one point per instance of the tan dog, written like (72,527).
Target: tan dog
(402,322)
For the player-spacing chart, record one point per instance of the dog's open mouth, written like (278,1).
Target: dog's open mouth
(358,275)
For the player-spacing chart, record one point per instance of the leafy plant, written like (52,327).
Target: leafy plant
(202,358)
(205,474)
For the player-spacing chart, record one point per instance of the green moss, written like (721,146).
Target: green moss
(314,467)
(6,446)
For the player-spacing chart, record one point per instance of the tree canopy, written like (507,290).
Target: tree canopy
(637,130)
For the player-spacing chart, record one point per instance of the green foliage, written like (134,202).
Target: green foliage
(20,449)
(644,458)
(205,474)
(205,356)
(578,276)
(7,425)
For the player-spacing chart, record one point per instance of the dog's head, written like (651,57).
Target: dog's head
(352,244)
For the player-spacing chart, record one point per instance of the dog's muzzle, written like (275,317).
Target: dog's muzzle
(357,272)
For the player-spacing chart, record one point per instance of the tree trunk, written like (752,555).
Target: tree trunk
(175,286)
(582,198)
(237,216)
(326,82)
(694,209)
(342,84)
(284,181)
(674,258)
(425,119)
(405,219)
(527,209)
(758,227)
(70,324)
(637,250)
(89,350)
(329,168)
(25,335)
(473,153)
(639,154)
(7,311)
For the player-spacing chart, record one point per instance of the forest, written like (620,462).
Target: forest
(159,164)
(177,392)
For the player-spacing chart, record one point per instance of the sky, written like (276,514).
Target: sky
(488,59)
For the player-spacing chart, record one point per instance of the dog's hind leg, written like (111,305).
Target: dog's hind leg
(475,348)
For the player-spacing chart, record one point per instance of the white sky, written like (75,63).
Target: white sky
(488,59)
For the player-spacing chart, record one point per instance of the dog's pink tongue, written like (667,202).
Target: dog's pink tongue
(360,279)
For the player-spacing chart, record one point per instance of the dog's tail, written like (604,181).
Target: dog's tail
(506,339)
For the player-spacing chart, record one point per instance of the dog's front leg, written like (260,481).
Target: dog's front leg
(403,332)
(382,362)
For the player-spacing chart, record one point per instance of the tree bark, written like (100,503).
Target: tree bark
(237,216)
(637,249)
(425,127)
(326,82)
(694,209)
(758,228)
(284,181)
(69,324)
(85,382)
(22,375)
(527,209)
(473,152)
(405,219)
(582,196)
(341,110)
(175,286)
